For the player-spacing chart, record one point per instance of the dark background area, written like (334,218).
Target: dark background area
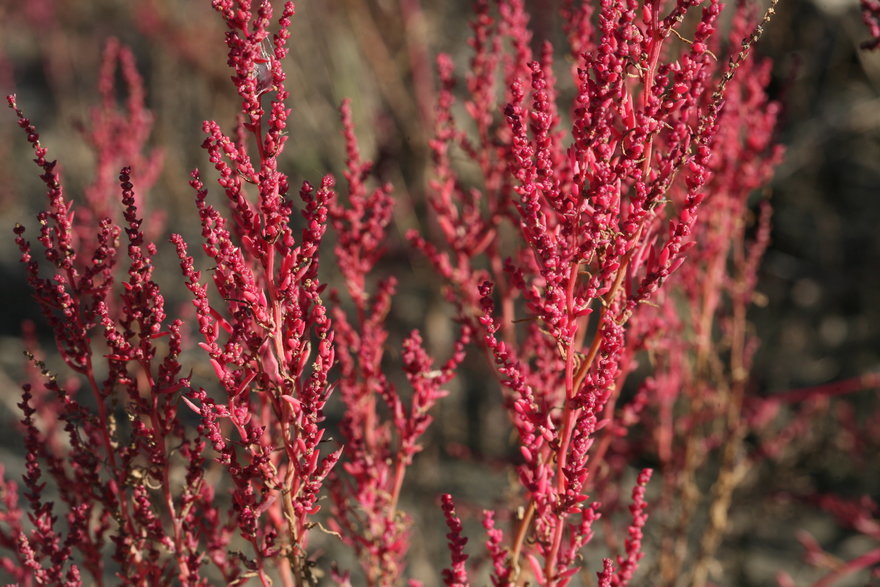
(820,279)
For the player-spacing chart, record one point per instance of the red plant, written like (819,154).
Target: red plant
(599,252)
(378,449)
(603,222)
(257,334)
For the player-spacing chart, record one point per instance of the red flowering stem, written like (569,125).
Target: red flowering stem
(497,553)
(456,575)
(118,139)
(138,286)
(570,413)
(606,575)
(72,338)
(860,562)
(273,300)
(633,542)
(844,387)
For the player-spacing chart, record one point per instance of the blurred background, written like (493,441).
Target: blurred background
(819,320)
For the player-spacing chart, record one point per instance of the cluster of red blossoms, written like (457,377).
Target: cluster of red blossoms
(598,252)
